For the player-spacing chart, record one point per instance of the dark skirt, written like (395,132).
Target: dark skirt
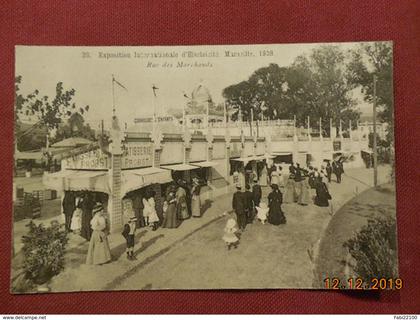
(322,196)
(276,216)
(171,219)
(86,230)
(182,209)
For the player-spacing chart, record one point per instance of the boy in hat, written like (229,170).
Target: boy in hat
(129,233)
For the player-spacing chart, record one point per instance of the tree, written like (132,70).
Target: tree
(319,86)
(34,140)
(315,85)
(263,93)
(371,59)
(49,113)
(270,85)
(74,127)
(243,98)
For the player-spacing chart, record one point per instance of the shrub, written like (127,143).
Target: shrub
(374,248)
(43,249)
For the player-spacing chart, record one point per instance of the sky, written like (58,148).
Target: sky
(89,71)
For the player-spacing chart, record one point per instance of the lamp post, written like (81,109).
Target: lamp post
(375,152)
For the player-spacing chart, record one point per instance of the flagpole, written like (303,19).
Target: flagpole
(208,112)
(224,114)
(154,108)
(113,96)
(184,123)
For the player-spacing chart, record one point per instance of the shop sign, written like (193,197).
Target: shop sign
(137,155)
(150,119)
(94,159)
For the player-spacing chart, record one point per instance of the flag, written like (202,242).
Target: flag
(113,79)
(154,88)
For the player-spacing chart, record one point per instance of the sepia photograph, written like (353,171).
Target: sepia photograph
(204,167)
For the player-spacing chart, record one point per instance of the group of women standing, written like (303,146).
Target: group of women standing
(181,203)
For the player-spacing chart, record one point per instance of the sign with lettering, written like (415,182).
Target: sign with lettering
(150,119)
(137,155)
(94,159)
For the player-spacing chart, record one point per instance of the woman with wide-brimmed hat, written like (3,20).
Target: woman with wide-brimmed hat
(196,201)
(99,251)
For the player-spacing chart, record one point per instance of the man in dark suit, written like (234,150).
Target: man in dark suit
(238,205)
(249,204)
(341,165)
(256,193)
(329,171)
(336,168)
(69,205)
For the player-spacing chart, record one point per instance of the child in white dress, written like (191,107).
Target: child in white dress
(262,212)
(76,221)
(230,237)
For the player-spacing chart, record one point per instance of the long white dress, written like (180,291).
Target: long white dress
(99,251)
(151,207)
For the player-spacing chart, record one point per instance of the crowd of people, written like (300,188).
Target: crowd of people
(297,185)
(86,216)
(85,213)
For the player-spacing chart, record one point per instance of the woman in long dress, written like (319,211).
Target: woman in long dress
(305,194)
(275,178)
(181,203)
(263,176)
(170,220)
(99,251)
(290,190)
(275,214)
(196,202)
(322,194)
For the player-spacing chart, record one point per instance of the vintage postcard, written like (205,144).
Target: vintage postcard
(204,167)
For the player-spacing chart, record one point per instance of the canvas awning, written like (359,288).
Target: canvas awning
(204,164)
(77,180)
(367,151)
(139,178)
(260,157)
(248,159)
(179,167)
(278,153)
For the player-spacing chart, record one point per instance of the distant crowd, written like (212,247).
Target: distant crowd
(297,185)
